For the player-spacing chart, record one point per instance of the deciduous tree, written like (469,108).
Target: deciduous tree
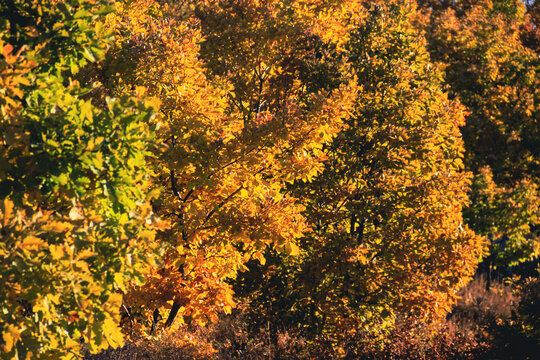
(75,223)
(496,78)
(387,235)
(242,115)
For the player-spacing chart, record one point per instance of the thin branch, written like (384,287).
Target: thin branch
(131,321)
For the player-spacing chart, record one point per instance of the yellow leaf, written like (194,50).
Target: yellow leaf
(259,257)
(84,254)
(54,298)
(244,193)
(147,235)
(94,289)
(82,265)
(58,226)
(140,90)
(7,210)
(31,243)
(57,251)
(70,343)
(112,333)
(292,249)
(115,299)
(119,280)
(11,336)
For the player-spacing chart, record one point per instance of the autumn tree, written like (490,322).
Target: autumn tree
(530,33)
(387,236)
(239,118)
(75,221)
(153,151)
(490,71)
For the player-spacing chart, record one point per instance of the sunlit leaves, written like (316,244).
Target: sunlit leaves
(308,141)
(385,214)
(240,117)
(74,193)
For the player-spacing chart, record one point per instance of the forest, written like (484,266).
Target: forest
(269,179)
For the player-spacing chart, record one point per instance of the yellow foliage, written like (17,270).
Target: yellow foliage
(11,335)
(237,123)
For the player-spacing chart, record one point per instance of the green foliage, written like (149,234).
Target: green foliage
(73,209)
(505,215)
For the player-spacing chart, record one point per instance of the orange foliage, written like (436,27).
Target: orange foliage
(234,131)
(387,235)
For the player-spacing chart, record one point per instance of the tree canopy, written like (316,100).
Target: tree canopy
(333,166)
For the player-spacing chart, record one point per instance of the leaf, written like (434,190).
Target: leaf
(119,281)
(7,210)
(259,256)
(89,55)
(292,249)
(57,251)
(76,213)
(147,235)
(58,226)
(11,336)
(112,333)
(31,243)
(8,48)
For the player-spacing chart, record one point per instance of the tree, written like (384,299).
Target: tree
(496,78)
(530,33)
(76,224)
(238,120)
(387,236)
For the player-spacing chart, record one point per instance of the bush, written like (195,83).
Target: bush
(500,323)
